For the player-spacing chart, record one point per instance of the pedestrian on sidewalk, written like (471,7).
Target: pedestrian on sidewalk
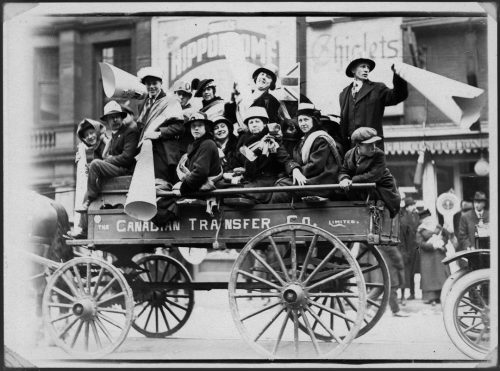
(394,260)
(431,240)
(408,236)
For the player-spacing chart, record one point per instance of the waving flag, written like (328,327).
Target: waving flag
(290,83)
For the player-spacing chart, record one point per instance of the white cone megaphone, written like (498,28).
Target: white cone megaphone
(120,84)
(462,103)
(141,197)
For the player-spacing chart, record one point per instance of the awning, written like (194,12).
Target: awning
(435,146)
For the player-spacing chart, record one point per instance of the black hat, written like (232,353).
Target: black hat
(269,72)
(424,213)
(409,201)
(357,61)
(225,120)
(127,108)
(200,116)
(307,109)
(203,85)
(480,196)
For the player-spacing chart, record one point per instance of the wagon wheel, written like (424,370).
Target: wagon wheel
(286,289)
(87,307)
(467,313)
(447,285)
(377,280)
(161,311)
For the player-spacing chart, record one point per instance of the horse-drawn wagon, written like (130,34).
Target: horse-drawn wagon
(313,271)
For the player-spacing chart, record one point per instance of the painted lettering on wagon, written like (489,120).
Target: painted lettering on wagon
(342,222)
(136,226)
(229,224)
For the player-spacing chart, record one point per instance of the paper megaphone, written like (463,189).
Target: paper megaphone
(462,103)
(121,84)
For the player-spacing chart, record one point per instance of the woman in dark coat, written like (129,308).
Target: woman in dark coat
(315,159)
(200,167)
(262,162)
(365,163)
(431,240)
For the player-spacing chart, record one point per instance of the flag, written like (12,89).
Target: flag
(290,83)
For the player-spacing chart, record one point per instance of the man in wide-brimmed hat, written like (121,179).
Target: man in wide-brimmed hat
(362,103)
(118,157)
(161,121)
(467,227)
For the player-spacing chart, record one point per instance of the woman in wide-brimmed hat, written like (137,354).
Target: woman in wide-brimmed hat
(226,141)
(315,159)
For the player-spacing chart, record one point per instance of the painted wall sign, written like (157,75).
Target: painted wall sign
(193,47)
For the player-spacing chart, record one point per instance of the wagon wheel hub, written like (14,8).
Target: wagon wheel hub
(157,297)
(85,308)
(294,295)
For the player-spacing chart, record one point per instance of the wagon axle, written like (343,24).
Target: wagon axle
(294,295)
(85,308)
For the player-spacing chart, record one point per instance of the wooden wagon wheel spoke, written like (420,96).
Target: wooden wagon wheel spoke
(70,284)
(106,288)
(111,298)
(281,310)
(62,317)
(77,332)
(311,332)
(327,329)
(481,334)
(143,309)
(60,305)
(164,272)
(109,320)
(268,267)
(293,255)
(262,280)
(325,299)
(332,311)
(310,250)
(88,279)
(68,326)
(62,293)
(78,279)
(174,276)
(98,281)
(321,265)
(280,259)
(280,335)
(164,318)
(176,305)
(295,331)
(328,279)
(96,335)
(103,329)
(341,307)
(472,327)
(149,317)
(468,302)
(172,313)
(267,307)
(87,335)
(111,310)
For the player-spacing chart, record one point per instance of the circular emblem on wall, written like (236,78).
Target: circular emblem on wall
(448,203)
(97,219)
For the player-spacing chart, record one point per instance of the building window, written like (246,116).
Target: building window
(47,84)
(118,54)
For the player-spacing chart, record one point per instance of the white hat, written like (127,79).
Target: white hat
(180,85)
(113,107)
(150,71)
(256,111)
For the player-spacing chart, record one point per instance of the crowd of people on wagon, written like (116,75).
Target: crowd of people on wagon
(218,144)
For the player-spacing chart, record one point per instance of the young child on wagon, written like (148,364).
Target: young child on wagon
(365,163)
(315,158)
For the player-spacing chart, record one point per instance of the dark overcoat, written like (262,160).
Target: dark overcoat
(433,272)
(367,109)
(203,162)
(372,169)
(467,228)
(271,104)
(408,224)
(123,147)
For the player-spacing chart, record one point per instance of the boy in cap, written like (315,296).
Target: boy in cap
(365,163)
(408,224)
(161,120)
(182,89)
(364,101)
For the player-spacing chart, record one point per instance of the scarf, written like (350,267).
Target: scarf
(306,148)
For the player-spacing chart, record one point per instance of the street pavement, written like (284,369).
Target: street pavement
(210,336)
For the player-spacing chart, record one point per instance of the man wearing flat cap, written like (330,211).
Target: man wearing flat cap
(362,103)
(479,215)
(161,120)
